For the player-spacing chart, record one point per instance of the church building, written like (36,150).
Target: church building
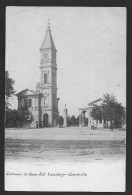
(43,102)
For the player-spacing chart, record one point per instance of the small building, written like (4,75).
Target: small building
(86,111)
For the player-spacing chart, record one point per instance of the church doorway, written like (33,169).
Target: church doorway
(45,120)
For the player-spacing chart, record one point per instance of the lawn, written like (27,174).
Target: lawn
(64,145)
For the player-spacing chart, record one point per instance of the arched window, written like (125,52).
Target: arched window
(45,79)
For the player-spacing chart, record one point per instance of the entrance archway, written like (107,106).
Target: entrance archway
(45,120)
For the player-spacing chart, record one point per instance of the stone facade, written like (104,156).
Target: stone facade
(43,103)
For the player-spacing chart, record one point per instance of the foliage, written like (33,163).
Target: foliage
(110,110)
(96,112)
(11,118)
(9,90)
(77,120)
(68,121)
(61,120)
(108,107)
(15,118)
(73,120)
(18,118)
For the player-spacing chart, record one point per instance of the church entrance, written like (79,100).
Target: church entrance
(45,120)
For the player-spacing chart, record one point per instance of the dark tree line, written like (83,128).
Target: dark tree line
(71,121)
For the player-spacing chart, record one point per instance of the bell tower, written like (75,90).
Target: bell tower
(47,86)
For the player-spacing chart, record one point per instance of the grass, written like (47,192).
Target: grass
(64,145)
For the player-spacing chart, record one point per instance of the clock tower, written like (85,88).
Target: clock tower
(47,87)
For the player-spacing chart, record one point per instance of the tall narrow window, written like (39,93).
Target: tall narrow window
(30,103)
(45,78)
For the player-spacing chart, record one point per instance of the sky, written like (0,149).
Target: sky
(91,51)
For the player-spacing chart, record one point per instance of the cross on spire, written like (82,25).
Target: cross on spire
(48,23)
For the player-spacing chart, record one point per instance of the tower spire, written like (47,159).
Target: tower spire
(48,42)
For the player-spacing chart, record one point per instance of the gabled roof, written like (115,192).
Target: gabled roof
(95,101)
(48,42)
(91,104)
(26,92)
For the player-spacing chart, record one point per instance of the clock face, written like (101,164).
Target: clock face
(46,57)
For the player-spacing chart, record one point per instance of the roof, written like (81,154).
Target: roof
(26,92)
(95,101)
(48,42)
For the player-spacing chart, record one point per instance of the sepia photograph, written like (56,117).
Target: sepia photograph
(65,99)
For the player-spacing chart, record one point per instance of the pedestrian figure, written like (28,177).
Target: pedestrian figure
(111,126)
(95,126)
(92,126)
(36,124)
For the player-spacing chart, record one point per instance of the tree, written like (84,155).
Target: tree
(68,121)
(9,90)
(61,120)
(73,120)
(96,112)
(77,120)
(19,118)
(12,118)
(112,110)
